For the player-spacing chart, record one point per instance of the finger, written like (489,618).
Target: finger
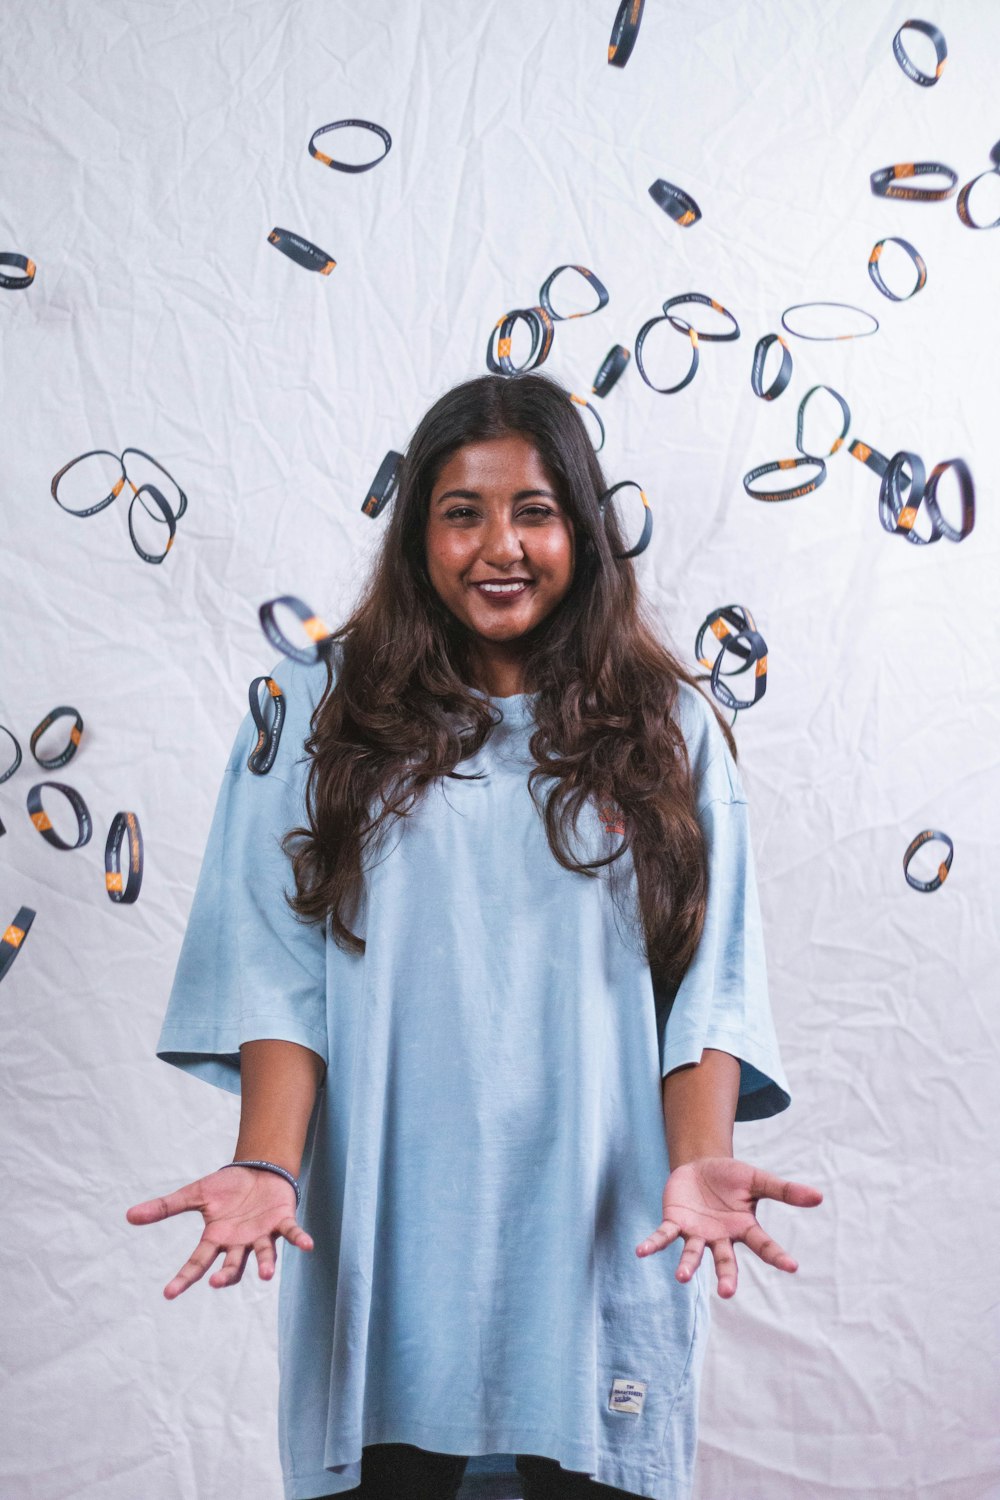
(295,1234)
(155,1209)
(193,1269)
(232,1267)
(768,1249)
(770,1185)
(659,1239)
(725,1267)
(691,1258)
(266,1254)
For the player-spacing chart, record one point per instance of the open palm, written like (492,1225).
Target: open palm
(712,1201)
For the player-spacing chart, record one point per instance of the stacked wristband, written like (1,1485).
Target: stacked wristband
(542,329)
(719,622)
(758,656)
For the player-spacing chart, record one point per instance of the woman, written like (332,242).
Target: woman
(509,1010)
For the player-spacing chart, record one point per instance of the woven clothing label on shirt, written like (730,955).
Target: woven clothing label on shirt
(627,1396)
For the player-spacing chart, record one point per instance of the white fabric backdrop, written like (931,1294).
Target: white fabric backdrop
(148,151)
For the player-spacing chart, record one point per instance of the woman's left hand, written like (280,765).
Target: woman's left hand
(712,1201)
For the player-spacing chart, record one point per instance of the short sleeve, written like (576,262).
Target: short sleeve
(249,968)
(722,1000)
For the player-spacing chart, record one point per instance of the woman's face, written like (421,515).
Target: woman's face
(495,517)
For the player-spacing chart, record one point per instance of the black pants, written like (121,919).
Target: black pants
(399,1471)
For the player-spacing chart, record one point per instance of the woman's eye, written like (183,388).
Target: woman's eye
(530,510)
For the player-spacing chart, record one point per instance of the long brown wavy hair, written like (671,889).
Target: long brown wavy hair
(606,685)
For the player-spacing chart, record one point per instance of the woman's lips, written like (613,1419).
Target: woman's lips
(502,596)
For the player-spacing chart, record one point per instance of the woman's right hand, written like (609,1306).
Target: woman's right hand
(244,1208)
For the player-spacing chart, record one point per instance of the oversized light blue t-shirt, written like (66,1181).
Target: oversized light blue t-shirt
(488,1146)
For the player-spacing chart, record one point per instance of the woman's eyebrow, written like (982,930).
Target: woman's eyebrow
(475,495)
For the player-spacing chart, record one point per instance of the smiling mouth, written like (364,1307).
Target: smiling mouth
(502,591)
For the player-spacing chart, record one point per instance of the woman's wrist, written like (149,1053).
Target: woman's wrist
(699,1107)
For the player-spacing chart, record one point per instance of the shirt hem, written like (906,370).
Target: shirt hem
(541,1441)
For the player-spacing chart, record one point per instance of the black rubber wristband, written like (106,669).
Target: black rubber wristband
(124,825)
(900,496)
(869,456)
(581,401)
(640,339)
(344,166)
(610,372)
(312,624)
(384,485)
(261,757)
(910,68)
(647,523)
(942,869)
(845,412)
(53,762)
(967,492)
(168,516)
(542,330)
(682,325)
(674,201)
(8,772)
(785,463)
(303,252)
(784,374)
(828,338)
(758,648)
(875,271)
(624,30)
(12,939)
(40,817)
(23,263)
(883,182)
(962,201)
(719,623)
(545,295)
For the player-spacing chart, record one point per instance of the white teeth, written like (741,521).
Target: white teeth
(501,588)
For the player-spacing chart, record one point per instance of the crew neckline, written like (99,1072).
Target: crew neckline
(514,707)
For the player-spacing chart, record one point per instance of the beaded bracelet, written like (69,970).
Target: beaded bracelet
(268,1166)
